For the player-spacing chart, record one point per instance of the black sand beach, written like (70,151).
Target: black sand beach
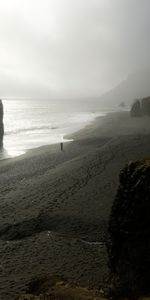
(55,205)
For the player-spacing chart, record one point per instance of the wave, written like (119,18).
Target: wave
(29,129)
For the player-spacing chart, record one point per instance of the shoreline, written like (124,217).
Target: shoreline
(52,147)
(12,152)
(55,205)
(81,133)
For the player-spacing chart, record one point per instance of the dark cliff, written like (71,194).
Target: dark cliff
(1,124)
(129,231)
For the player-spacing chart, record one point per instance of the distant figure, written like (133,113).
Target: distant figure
(61,146)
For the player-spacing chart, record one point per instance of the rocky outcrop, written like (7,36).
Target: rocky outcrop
(145,106)
(1,124)
(136,109)
(141,107)
(129,231)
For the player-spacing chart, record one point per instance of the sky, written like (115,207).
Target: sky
(71,48)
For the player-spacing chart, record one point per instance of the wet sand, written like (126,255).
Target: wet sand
(55,205)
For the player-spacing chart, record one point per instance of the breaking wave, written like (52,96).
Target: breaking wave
(33,128)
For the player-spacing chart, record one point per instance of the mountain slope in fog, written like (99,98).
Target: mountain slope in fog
(137,85)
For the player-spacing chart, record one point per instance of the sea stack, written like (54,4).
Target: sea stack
(136,109)
(146,106)
(1,124)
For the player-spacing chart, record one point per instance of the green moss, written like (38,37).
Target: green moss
(56,289)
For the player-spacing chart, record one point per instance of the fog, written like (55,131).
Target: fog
(71,48)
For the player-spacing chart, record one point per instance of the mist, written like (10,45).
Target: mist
(71,48)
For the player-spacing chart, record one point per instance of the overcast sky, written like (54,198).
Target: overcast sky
(71,48)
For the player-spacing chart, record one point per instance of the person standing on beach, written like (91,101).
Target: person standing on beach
(61,146)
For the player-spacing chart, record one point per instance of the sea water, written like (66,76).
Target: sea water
(33,123)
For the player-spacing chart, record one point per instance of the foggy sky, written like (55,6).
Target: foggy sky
(71,48)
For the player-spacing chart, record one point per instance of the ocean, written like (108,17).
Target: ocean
(33,123)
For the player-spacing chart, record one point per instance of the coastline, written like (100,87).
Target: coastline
(55,205)
(68,138)
(82,133)
(91,130)
(17,141)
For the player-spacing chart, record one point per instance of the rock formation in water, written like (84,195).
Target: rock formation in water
(136,109)
(145,106)
(122,104)
(129,230)
(1,124)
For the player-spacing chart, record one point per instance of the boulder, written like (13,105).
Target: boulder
(129,232)
(1,124)
(145,105)
(136,109)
